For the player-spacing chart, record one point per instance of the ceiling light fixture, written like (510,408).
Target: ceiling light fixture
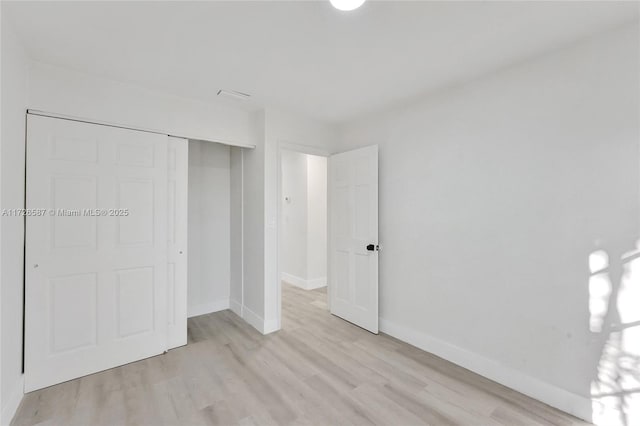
(347,5)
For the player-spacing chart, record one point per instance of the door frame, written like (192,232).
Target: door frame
(302,149)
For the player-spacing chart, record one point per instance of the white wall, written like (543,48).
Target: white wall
(492,197)
(13,103)
(236,222)
(294,217)
(317,220)
(209,227)
(304,219)
(64,91)
(253,226)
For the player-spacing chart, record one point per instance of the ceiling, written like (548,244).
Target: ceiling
(304,55)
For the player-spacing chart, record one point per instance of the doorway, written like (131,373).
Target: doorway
(303,231)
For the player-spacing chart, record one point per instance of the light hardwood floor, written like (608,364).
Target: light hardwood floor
(317,370)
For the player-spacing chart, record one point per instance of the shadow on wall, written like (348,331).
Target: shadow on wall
(614,309)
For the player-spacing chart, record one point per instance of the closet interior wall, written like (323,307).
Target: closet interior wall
(209,223)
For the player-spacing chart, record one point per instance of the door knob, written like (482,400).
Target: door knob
(372,247)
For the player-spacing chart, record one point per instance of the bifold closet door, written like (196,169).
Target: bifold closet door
(96,249)
(177,190)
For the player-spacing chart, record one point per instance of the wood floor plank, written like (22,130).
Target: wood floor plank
(317,370)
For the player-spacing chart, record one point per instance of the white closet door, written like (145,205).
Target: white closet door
(96,286)
(178,174)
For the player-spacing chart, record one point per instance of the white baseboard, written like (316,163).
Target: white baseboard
(316,283)
(270,326)
(13,402)
(236,307)
(207,308)
(259,323)
(578,405)
(304,284)
(255,320)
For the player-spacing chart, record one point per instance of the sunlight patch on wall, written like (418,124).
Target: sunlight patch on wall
(614,306)
(599,289)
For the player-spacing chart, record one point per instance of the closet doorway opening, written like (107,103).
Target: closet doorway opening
(209,224)
(303,236)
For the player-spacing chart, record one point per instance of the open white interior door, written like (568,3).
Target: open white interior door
(96,277)
(353,236)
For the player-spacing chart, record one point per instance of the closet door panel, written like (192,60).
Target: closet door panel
(177,190)
(96,259)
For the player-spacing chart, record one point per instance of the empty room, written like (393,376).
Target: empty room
(320,212)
